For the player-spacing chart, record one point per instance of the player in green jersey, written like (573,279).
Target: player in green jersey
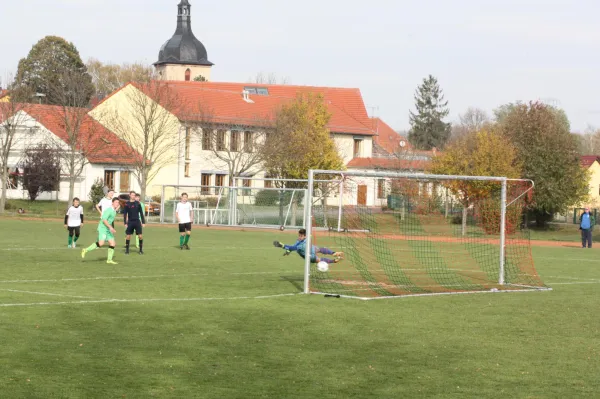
(106,232)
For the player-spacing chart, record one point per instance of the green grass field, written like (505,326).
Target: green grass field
(226,320)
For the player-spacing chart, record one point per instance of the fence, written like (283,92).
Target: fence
(263,207)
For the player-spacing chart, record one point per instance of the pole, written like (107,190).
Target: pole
(308,227)
(502,231)
(162,204)
(341,206)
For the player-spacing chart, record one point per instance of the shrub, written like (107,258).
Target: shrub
(96,192)
(488,217)
(267,198)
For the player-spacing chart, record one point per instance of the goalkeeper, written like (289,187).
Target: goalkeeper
(300,247)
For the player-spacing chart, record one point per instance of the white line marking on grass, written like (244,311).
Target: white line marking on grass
(47,293)
(4,305)
(575,283)
(131,277)
(573,278)
(148,247)
(570,259)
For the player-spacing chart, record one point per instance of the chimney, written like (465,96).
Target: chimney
(246,96)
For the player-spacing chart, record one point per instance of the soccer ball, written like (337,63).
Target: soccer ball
(322,266)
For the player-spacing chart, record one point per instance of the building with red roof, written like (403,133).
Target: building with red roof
(99,152)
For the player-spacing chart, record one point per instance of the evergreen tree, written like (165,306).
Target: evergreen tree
(49,66)
(428,130)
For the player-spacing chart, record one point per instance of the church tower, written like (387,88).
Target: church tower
(183,57)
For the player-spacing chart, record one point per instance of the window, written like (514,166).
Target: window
(247,183)
(221,139)
(268,183)
(188,75)
(357,148)
(109,179)
(261,91)
(248,142)
(188,139)
(381,188)
(186,169)
(205,182)
(124,181)
(220,180)
(207,137)
(235,141)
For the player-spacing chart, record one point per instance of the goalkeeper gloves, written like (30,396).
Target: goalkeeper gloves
(277,244)
(287,252)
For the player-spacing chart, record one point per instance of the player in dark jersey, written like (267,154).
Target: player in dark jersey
(131,217)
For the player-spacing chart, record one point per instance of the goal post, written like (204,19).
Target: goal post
(418,234)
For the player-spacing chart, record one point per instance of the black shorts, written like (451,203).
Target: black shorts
(134,226)
(75,230)
(183,227)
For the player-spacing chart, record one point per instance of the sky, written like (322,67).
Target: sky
(484,53)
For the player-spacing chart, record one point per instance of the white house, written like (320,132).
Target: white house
(110,159)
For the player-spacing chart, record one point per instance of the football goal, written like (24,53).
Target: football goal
(417,234)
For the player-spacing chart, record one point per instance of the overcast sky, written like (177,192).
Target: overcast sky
(484,52)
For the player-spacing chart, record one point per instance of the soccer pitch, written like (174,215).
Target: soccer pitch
(227,320)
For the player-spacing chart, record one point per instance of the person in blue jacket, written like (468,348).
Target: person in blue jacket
(586,225)
(300,248)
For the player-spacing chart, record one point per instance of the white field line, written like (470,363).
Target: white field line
(4,305)
(129,277)
(574,283)
(48,293)
(573,278)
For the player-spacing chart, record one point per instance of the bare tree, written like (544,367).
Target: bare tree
(110,77)
(12,120)
(472,120)
(590,141)
(82,135)
(240,147)
(270,78)
(147,126)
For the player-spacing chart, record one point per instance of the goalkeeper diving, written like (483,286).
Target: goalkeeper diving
(300,248)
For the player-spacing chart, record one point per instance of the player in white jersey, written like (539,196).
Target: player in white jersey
(185,217)
(105,203)
(74,221)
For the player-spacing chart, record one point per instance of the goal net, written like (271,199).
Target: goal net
(417,234)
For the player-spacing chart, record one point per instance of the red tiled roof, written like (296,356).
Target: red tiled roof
(388,138)
(99,145)
(224,104)
(387,163)
(587,160)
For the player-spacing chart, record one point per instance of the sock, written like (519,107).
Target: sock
(92,247)
(127,244)
(137,241)
(181,239)
(326,260)
(111,252)
(76,238)
(187,239)
(70,240)
(141,244)
(326,251)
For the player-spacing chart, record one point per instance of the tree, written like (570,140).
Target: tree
(147,127)
(12,120)
(110,77)
(428,130)
(97,191)
(46,65)
(270,78)
(472,120)
(549,155)
(300,140)
(41,170)
(239,148)
(481,153)
(80,130)
(505,110)
(589,142)
(200,78)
